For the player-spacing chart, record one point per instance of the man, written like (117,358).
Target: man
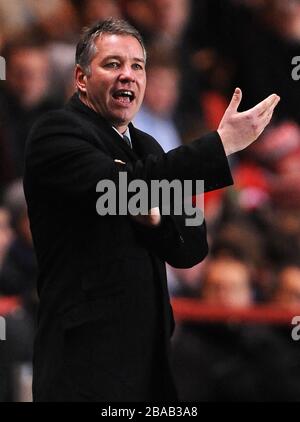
(105,320)
(287,292)
(227,282)
(157,113)
(23,98)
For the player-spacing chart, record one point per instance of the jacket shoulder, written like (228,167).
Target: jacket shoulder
(55,121)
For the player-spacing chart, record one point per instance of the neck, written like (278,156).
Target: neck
(86,102)
(120,127)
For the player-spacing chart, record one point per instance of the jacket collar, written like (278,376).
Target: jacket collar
(75,104)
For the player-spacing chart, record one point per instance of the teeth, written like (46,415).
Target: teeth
(128,93)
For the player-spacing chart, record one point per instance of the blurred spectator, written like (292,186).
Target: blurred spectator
(6,234)
(233,241)
(224,280)
(283,16)
(160,21)
(156,115)
(227,282)
(14,351)
(170,18)
(282,236)
(91,11)
(56,17)
(59,26)
(233,362)
(287,294)
(140,14)
(19,269)
(243,238)
(57,20)
(17,278)
(15,16)
(24,97)
(27,73)
(279,150)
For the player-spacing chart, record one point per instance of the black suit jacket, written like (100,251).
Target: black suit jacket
(105,319)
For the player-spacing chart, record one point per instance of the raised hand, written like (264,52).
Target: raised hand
(238,130)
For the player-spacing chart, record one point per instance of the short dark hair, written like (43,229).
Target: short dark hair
(86,48)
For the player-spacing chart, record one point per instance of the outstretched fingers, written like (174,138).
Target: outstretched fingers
(266,116)
(269,111)
(266,106)
(265,120)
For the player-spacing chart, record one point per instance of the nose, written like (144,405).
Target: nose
(126,74)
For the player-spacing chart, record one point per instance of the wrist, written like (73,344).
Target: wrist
(226,144)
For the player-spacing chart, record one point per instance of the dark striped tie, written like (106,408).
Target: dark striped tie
(127,140)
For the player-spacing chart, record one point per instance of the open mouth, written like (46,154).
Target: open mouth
(124,96)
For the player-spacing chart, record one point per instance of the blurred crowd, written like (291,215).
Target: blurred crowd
(198,52)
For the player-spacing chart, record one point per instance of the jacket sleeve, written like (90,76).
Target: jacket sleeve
(173,241)
(59,157)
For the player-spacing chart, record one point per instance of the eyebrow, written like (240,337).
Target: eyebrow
(115,56)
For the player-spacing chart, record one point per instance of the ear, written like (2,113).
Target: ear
(80,79)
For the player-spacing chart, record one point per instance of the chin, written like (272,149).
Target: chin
(123,120)
(117,121)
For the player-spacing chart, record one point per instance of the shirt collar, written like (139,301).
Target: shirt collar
(126,133)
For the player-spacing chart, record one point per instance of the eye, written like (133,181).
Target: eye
(137,66)
(112,65)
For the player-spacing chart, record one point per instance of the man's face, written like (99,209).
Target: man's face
(27,75)
(288,294)
(116,85)
(162,90)
(227,284)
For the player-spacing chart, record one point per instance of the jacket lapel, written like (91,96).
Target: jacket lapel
(108,136)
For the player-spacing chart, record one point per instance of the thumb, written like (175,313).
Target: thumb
(235,101)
